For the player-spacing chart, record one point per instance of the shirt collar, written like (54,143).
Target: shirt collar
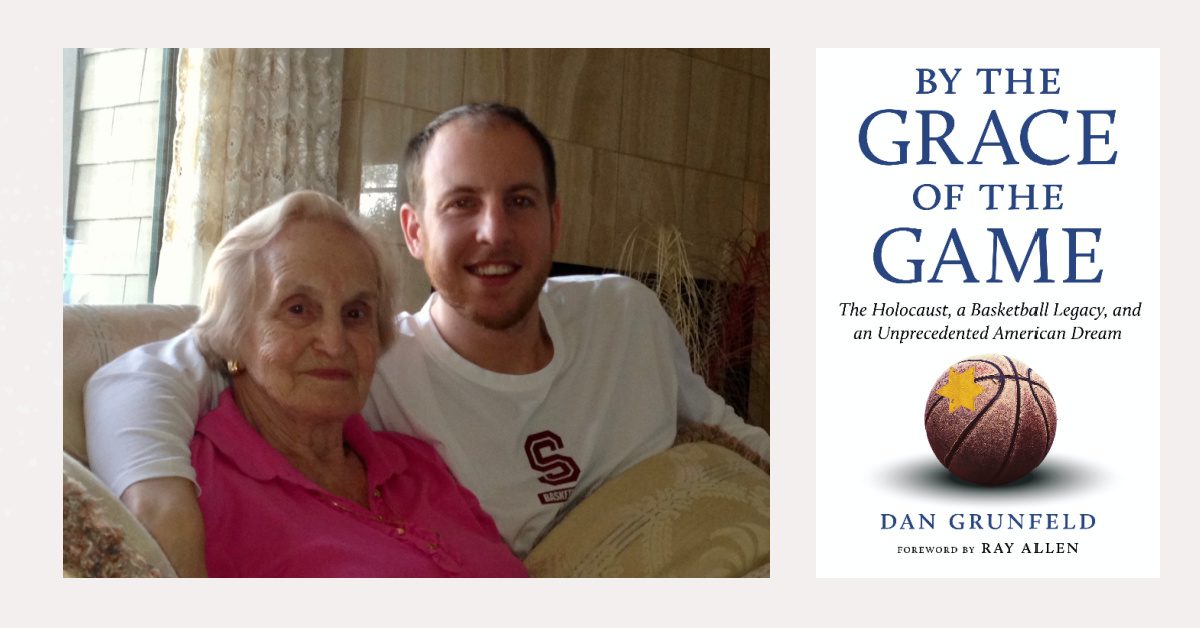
(366,443)
(231,434)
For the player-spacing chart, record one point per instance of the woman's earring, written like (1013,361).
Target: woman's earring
(234,367)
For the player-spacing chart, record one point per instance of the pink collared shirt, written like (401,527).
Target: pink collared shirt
(263,518)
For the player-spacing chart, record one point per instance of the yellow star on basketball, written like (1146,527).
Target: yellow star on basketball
(961,390)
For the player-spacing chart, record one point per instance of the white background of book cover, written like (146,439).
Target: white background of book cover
(873,456)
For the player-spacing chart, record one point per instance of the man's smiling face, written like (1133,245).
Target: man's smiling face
(487,229)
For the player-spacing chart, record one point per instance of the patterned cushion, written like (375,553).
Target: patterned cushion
(694,510)
(100,537)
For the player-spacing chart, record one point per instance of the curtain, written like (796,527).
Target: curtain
(252,125)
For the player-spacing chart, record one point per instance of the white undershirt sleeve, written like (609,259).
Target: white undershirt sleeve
(140,411)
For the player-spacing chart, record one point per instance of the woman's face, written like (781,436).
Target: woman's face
(314,336)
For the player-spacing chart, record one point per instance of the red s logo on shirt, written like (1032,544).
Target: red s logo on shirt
(556,468)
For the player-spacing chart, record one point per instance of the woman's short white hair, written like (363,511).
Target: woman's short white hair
(231,282)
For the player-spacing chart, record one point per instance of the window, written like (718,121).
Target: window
(379,199)
(118,137)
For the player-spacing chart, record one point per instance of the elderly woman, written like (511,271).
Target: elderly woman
(298,306)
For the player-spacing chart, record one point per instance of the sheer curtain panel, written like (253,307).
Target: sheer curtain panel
(252,125)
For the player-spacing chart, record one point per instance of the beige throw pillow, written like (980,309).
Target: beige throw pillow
(694,510)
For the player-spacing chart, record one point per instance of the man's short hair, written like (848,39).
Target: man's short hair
(231,282)
(414,156)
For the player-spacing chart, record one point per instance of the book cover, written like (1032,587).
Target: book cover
(988,313)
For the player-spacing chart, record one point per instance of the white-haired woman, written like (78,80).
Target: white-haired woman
(298,306)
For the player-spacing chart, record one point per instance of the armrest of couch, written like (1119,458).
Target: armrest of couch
(100,536)
(95,334)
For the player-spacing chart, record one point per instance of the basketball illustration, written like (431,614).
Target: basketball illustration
(990,419)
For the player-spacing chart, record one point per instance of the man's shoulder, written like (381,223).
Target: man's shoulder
(606,289)
(603,305)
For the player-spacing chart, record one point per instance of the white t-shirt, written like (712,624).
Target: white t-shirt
(528,446)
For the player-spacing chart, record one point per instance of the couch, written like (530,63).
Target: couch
(100,536)
(697,509)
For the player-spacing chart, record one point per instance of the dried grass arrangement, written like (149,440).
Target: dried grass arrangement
(724,317)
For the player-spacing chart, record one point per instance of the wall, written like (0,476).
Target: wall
(641,137)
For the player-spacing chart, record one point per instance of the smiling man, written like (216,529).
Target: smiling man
(534,390)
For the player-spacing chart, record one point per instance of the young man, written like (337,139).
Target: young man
(534,391)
